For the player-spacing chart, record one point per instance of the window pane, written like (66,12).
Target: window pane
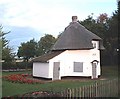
(94,45)
(78,66)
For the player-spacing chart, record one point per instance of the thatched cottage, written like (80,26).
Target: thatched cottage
(75,53)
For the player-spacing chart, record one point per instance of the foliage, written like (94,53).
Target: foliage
(39,94)
(7,53)
(15,66)
(4,42)
(21,78)
(95,25)
(45,43)
(107,29)
(10,89)
(104,26)
(27,50)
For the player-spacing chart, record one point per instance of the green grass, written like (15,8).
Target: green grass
(109,71)
(11,89)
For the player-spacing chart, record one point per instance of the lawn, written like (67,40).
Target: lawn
(11,89)
(109,71)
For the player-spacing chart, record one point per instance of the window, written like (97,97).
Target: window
(78,66)
(94,45)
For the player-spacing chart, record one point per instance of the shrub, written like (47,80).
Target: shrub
(16,65)
(21,78)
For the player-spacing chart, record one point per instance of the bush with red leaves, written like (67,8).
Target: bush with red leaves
(21,78)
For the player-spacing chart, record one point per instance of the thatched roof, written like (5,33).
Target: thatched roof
(76,36)
(46,57)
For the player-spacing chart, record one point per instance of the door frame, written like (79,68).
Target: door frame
(56,69)
(94,69)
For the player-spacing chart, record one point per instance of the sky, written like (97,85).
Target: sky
(28,19)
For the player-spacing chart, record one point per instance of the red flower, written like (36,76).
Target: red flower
(21,78)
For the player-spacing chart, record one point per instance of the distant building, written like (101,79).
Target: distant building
(1,61)
(75,53)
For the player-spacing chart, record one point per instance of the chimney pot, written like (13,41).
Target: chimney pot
(74,19)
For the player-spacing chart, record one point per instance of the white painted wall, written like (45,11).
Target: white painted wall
(67,59)
(41,69)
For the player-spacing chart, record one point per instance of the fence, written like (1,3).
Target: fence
(98,89)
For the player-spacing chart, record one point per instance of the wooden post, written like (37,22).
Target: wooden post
(70,92)
(100,90)
(90,91)
(117,86)
(73,93)
(109,88)
(104,89)
(96,90)
(76,92)
(83,91)
(80,92)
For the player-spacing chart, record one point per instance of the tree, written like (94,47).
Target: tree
(27,50)
(45,43)
(102,18)
(107,29)
(6,51)
(95,25)
(111,41)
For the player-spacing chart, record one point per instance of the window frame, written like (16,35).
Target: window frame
(78,67)
(94,45)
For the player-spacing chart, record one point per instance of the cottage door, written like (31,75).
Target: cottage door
(56,69)
(94,70)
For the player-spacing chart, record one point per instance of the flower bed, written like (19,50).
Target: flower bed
(39,94)
(36,95)
(21,78)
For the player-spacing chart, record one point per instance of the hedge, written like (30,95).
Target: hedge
(16,65)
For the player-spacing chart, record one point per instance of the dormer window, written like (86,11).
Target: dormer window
(94,45)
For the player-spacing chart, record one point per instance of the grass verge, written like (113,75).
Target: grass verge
(11,89)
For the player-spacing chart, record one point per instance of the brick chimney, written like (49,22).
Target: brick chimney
(74,19)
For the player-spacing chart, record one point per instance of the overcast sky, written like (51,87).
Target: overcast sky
(27,19)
